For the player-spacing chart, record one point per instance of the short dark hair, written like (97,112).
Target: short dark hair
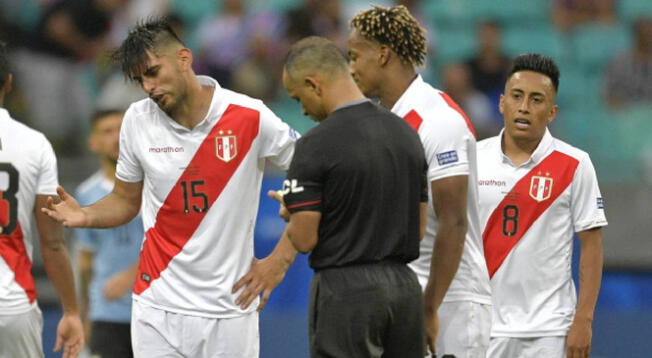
(147,36)
(396,28)
(4,64)
(101,113)
(537,63)
(316,53)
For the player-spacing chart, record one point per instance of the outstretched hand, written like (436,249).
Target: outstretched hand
(67,211)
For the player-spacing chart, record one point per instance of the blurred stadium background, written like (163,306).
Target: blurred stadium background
(603,48)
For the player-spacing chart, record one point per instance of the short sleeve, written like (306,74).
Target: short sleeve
(278,139)
(587,205)
(302,190)
(47,180)
(445,145)
(129,168)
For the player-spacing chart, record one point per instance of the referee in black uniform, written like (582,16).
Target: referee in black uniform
(357,192)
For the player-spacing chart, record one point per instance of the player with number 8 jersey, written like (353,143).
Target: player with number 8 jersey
(535,192)
(28,175)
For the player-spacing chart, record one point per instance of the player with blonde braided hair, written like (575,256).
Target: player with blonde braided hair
(385,46)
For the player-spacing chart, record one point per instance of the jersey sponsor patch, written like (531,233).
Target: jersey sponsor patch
(600,203)
(447,157)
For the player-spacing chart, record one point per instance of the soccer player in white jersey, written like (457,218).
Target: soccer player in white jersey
(535,192)
(385,45)
(195,152)
(28,174)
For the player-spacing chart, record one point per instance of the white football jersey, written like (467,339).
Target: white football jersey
(28,168)
(530,213)
(449,142)
(200,197)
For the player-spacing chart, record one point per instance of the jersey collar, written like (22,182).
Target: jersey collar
(411,92)
(214,107)
(541,151)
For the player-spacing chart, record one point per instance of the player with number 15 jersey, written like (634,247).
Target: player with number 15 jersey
(200,197)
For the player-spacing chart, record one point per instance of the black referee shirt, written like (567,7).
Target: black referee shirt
(364,169)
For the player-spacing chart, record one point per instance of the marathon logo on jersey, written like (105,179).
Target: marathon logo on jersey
(447,157)
(226,146)
(540,187)
(145,277)
(600,203)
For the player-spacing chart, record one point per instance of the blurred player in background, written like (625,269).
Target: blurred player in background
(28,174)
(385,46)
(107,259)
(535,192)
(195,153)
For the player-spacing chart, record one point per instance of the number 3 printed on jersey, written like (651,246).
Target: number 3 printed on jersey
(8,202)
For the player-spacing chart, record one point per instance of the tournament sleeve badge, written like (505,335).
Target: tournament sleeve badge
(540,187)
(226,146)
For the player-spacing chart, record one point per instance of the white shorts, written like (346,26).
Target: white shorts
(464,329)
(20,334)
(537,347)
(157,333)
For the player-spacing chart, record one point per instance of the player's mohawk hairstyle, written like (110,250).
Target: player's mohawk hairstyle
(394,27)
(146,36)
(537,63)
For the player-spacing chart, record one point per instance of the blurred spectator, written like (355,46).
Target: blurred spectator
(490,65)
(629,76)
(131,13)
(256,75)
(225,41)
(456,80)
(48,63)
(566,14)
(316,18)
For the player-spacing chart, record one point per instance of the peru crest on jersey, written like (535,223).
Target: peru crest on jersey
(540,187)
(226,146)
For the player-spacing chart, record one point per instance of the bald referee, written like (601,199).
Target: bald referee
(356,195)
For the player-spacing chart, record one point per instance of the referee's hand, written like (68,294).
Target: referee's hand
(278,196)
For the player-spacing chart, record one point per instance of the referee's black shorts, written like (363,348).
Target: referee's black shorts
(370,310)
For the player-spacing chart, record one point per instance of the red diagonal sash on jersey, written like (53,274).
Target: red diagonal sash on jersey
(14,253)
(174,227)
(497,245)
(413,119)
(459,110)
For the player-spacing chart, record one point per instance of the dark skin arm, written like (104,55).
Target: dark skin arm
(449,202)
(70,332)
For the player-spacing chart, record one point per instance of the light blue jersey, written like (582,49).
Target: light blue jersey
(114,250)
